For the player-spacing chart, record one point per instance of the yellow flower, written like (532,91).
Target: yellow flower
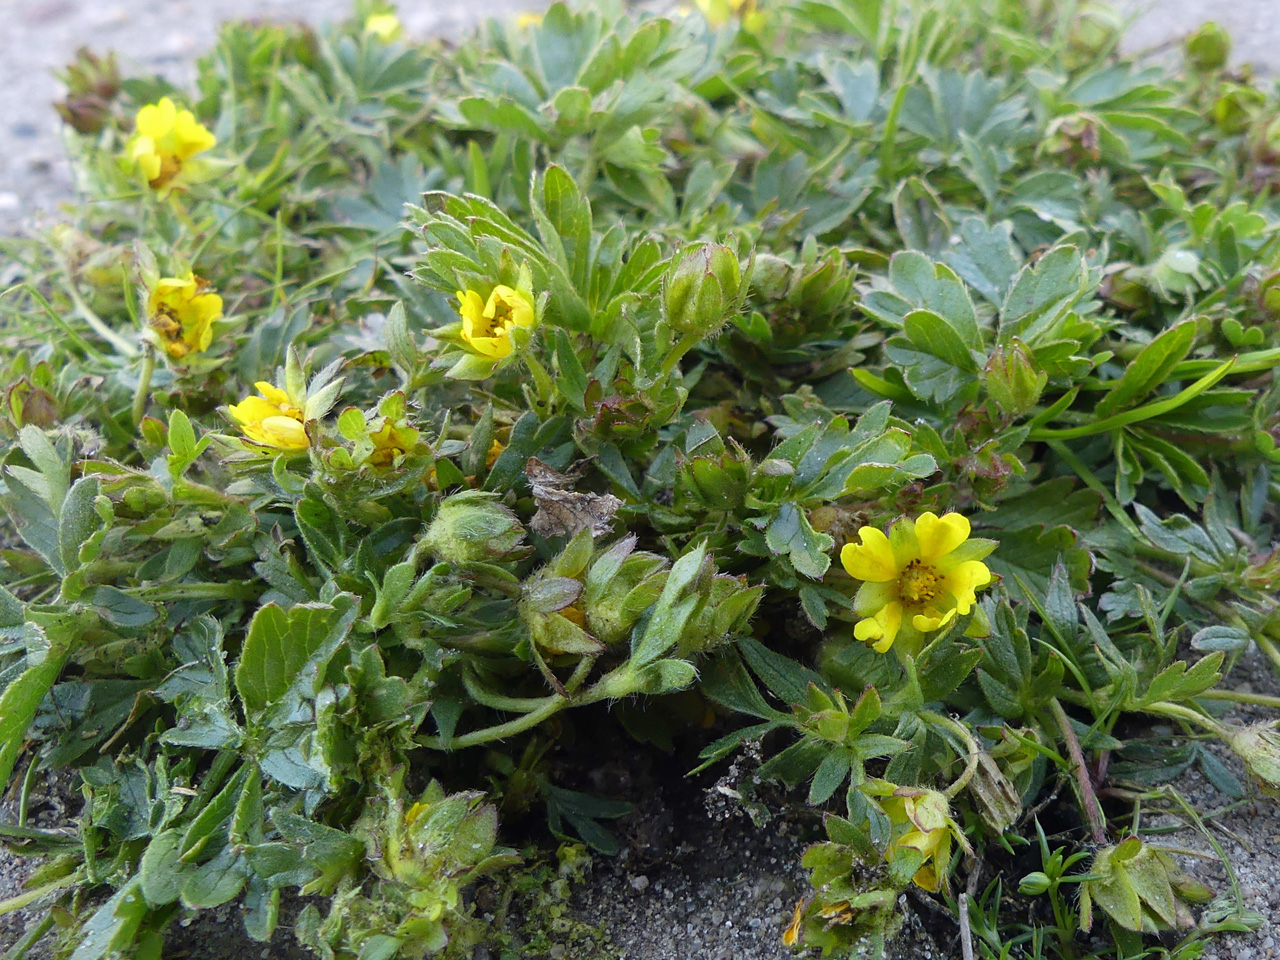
(922,822)
(391,441)
(164,138)
(385,26)
(271,419)
(524,20)
(181,311)
(917,579)
(486,327)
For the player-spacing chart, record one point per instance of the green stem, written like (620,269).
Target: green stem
(31,896)
(142,394)
(550,706)
(497,701)
(1266,645)
(528,721)
(1138,414)
(1179,712)
(1236,696)
(23,947)
(908,661)
(974,751)
(683,346)
(121,345)
(1089,799)
(236,590)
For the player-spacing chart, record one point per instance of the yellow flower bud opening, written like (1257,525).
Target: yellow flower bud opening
(385,26)
(918,579)
(271,420)
(487,325)
(181,312)
(164,139)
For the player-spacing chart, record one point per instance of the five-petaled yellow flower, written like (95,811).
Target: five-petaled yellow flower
(487,326)
(164,139)
(271,419)
(181,311)
(917,579)
(922,822)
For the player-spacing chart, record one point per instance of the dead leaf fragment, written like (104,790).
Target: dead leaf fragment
(563,511)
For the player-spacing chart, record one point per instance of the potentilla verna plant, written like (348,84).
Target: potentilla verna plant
(419,455)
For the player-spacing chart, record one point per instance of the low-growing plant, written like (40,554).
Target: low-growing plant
(886,384)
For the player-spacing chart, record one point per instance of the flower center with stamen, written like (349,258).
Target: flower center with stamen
(918,583)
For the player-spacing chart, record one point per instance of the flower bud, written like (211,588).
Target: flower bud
(1034,884)
(1140,888)
(1014,381)
(620,586)
(728,605)
(92,83)
(701,289)
(1258,745)
(771,278)
(472,527)
(1208,48)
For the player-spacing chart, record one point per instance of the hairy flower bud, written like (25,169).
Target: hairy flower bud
(1258,745)
(701,289)
(1208,48)
(1014,381)
(1140,888)
(472,527)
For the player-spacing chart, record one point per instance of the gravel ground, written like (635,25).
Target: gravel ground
(726,889)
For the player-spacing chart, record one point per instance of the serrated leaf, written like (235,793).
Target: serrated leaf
(284,647)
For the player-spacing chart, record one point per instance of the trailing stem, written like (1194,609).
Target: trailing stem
(1089,799)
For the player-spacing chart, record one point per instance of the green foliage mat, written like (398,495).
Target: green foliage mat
(886,385)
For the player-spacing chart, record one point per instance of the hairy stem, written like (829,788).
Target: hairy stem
(971,758)
(1092,808)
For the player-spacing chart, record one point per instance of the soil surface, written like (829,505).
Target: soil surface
(716,886)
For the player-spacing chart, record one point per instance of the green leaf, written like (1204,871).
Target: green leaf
(287,647)
(1149,369)
(985,258)
(1176,683)
(216,882)
(113,928)
(726,681)
(77,521)
(161,870)
(786,679)
(790,533)
(831,772)
(19,702)
(933,334)
(1041,293)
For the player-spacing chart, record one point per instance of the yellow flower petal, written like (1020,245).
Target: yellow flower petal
(880,630)
(931,619)
(962,582)
(273,393)
(938,536)
(926,878)
(872,560)
(284,433)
